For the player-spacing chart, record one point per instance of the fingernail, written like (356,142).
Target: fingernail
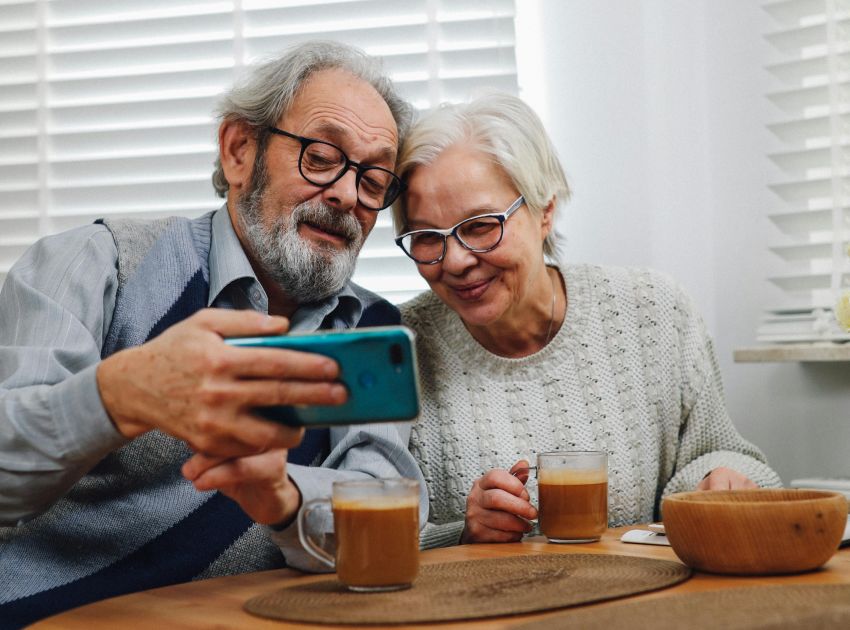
(339,393)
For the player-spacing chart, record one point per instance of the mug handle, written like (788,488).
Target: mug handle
(524,469)
(309,546)
(516,473)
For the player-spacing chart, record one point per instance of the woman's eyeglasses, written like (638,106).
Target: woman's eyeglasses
(477,234)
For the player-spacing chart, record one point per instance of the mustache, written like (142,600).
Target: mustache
(327,219)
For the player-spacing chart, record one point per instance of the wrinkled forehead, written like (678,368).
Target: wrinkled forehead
(338,107)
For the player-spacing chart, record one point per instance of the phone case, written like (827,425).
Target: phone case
(377,365)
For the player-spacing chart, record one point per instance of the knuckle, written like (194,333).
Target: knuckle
(206,426)
(210,396)
(276,465)
(202,317)
(486,500)
(216,363)
(203,443)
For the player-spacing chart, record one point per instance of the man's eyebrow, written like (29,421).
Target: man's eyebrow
(339,134)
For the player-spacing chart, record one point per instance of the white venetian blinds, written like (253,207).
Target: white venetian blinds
(105,107)
(810,40)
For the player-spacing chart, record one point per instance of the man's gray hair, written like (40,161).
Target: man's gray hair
(268,90)
(506,129)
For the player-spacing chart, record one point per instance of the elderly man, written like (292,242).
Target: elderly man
(126,424)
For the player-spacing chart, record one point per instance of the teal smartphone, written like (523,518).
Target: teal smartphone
(377,366)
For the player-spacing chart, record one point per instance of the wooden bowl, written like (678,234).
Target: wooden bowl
(755,532)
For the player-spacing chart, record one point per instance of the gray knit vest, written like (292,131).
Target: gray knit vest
(133,522)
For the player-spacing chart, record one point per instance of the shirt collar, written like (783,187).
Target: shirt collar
(342,310)
(229,264)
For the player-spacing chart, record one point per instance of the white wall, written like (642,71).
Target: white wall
(657,110)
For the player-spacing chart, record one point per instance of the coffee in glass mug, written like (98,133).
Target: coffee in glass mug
(572,489)
(376,526)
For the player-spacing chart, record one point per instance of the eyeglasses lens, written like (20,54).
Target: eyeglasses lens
(322,164)
(478,234)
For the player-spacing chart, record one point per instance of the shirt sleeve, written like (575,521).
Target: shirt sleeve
(441,535)
(707,437)
(369,451)
(55,308)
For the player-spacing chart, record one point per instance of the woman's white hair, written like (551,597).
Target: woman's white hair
(267,91)
(503,127)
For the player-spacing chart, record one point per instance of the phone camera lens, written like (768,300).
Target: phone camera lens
(396,354)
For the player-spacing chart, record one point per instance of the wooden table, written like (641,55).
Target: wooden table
(217,603)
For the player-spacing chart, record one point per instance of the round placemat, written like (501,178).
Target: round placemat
(815,607)
(475,589)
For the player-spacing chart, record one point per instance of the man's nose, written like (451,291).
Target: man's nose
(342,194)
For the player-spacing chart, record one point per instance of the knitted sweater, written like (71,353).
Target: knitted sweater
(631,372)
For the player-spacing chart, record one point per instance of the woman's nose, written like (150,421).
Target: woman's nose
(457,257)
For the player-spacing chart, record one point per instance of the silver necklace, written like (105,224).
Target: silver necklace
(552,314)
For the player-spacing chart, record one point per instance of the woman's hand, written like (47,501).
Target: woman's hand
(725,479)
(497,508)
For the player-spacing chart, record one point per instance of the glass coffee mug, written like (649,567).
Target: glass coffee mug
(376,526)
(572,495)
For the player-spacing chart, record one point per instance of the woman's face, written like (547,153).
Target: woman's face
(483,288)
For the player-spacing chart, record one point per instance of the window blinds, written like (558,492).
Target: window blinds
(810,72)
(105,107)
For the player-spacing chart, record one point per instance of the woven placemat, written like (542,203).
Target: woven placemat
(475,589)
(815,607)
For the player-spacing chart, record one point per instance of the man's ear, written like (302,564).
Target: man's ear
(548,217)
(237,146)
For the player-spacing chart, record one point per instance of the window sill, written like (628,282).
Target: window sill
(800,352)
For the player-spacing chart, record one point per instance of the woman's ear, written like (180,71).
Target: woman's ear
(237,145)
(548,217)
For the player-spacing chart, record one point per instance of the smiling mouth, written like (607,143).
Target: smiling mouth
(471,291)
(326,233)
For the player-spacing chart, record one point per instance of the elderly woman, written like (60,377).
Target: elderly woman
(520,354)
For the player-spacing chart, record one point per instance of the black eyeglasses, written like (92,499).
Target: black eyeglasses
(322,163)
(477,234)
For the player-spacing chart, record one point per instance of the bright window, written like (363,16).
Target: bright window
(105,107)
(810,40)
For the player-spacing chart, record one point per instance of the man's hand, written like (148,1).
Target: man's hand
(189,384)
(258,483)
(725,479)
(497,508)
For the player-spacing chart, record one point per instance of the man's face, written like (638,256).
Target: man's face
(305,237)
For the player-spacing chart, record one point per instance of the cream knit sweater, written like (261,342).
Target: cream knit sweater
(631,372)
